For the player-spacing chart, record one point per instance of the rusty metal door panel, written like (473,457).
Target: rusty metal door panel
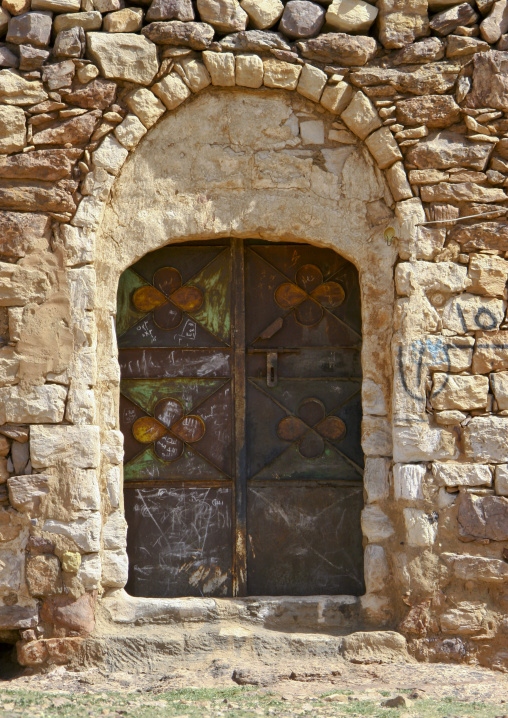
(179,541)
(240,393)
(304,539)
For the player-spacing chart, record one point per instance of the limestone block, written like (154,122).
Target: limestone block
(423,443)
(130,19)
(445,277)
(114,485)
(408,481)
(448,20)
(104,6)
(59,75)
(71,43)
(130,132)
(376,526)
(501,482)
(373,399)
(465,393)
(375,479)
(491,352)
(37,404)
(402,21)
(383,148)
(89,213)
(124,56)
(85,531)
(98,183)
(431,110)
(398,183)
(470,312)
(462,46)
(172,90)
(496,22)
(311,83)
(15,90)
(421,528)
(375,568)
(5,16)
(339,47)
(361,116)
(12,129)
(224,15)
(170,10)
(145,105)
(448,149)
(18,617)
(410,211)
(467,618)
(312,132)
(221,67)
(454,474)
(485,439)
(33,28)
(114,533)
(83,492)
(262,13)
(57,6)
(25,492)
(22,231)
(195,74)
(488,274)
(43,575)
(82,286)
(281,74)
(301,19)
(111,154)
(249,71)
(80,407)
(376,436)
(429,241)
(90,571)
(336,98)
(196,35)
(476,568)
(11,568)
(499,382)
(115,569)
(77,445)
(21,285)
(352,16)
(461,192)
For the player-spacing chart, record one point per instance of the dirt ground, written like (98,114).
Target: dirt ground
(225,689)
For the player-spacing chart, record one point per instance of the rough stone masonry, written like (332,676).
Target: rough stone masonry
(391,119)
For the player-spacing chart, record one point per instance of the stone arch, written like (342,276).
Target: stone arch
(200,174)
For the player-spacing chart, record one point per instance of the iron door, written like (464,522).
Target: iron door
(240,408)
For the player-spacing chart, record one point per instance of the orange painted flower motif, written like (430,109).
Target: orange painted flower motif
(167,299)
(310,295)
(169,429)
(310,428)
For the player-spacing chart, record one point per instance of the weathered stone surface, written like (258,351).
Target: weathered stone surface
(224,15)
(376,436)
(361,116)
(459,392)
(114,533)
(376,478)
(20,285)
(124,56)
(33,28)
(428,50)
(485,439)
(401,189)
(39,404)
(110,155)
(49,165)
(43,575)
(476,568)
(376,569)
(354,16)
(488,274)
(311,82)
(74,444)
(89,572)
(423,443)
(71,614)
(481,235)
(502,480)
(91,20)
(130,131)
(71,561)
(115,569)
(421,528)
(18,617)
(8,58)
(499,382)
(196,35)
(408,481)
(130,19)
(76,130)
(339,47)
(172,91)
(461,192)
(249,71)
(31,58)
(432,111)
(376,526)
(462,46)
(170,10)
(470,312)
(281,74)
(95,95)
(467,618)
(431,79)
(491,352)
(12,129)
(484,517)
(255,41)
(15,90)
(70,43)
(11,566)
(57,5)
(490,83)
(402,21)
(59,75)
(446,21)
(336,98)
(301,19)
(445,277)
(383,147)
(263,13)
(15,7)
(85,531)
(146,106)
(496,22)
(55,651)
(221,66)
(25,492)
(454,474)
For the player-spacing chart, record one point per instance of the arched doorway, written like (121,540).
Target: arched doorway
(241,411)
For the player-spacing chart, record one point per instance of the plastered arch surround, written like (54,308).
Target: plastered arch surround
(233,164)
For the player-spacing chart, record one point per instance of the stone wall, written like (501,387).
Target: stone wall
(393,149)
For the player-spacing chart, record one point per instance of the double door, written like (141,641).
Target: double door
(240,407)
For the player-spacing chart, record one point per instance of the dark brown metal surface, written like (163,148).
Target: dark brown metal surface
(240,407)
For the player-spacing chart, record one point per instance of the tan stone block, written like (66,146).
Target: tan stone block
(21,285)
(491,352)
(12,129)
(335,98)
(72,614)
(262,13)
(130,19)
(361,116)
(38,404)
(221,67)
(375,478)
(71,561)
(402,21)
(311,83)
(249,71)
(376,436)
(281,74)
(114,532)
(376,526)
(375,568)
(195,74)
(87,73)
(78,445)
(57,6)
(408,481)
(484,439)
(383,148)
(90,20)
(444,277)
(397,181)
(502,480)
(14,7)
(124,56)
(421,528)
(465,619)
(450,391)
(25,492)
(499,382)
(461,192)
(146,106)
(16,90)
(423,443)
(130,132)
(115,569)
(476,568)
(454,474)
(43,575)
(352,16)
(312,132)
(110,155)
(172,90)
(470,312)
(225,15)
(488,274)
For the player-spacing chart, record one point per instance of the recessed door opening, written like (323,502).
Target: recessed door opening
(241,410)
